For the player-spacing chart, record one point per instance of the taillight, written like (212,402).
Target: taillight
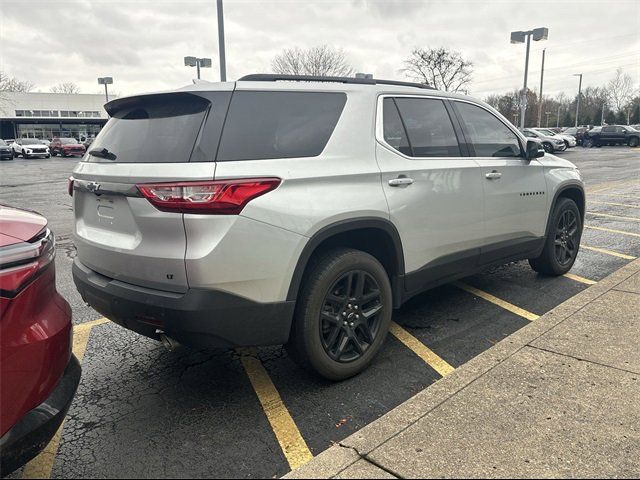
(70,186)
(20,263)
(220,197)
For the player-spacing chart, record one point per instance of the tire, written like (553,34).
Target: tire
(634,141)
(563,240)
(547,147)
(566,143)
(323,339)
(15,154)
(47,156)
(24,155)
(588,143)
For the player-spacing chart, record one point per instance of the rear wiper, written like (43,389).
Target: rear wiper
(102,153)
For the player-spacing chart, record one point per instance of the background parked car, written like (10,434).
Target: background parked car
(30,147)
(577,132)
(87,143)
(612,135)
(5,151)
(551,144)
(38,373)
(66,147)
(569,140)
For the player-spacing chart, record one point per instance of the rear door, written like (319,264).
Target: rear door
(515,191)
(151,138)
(433,190)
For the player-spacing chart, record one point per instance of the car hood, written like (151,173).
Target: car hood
(550,160)
(21,225)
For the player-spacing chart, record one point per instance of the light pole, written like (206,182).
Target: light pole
(223,65)
(105,81)
(604,104)
(579,95)
(558,117)
(520,37)
(541,84)
(198,63)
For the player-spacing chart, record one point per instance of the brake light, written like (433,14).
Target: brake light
(70,186)
(20,263)
(220,197)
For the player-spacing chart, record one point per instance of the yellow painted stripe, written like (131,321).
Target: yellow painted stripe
(497,301)
(42,465)
(608,252)
(580,279)
(612,231)
(627,205)
(293,446)
(607,215)
(421,350)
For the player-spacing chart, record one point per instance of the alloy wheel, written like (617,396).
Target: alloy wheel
(566,238)
(350,316)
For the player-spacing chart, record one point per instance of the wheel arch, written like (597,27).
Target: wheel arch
(376,236)
(573,191)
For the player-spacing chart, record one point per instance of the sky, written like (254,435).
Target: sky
(141,43)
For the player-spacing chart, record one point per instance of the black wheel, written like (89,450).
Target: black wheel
(24,155)
(343,314)
(15,154)
(588,143)
(566,142)
(547,147)
(633,142)
(563,240)
(47,156)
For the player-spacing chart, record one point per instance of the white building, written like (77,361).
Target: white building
(48,115)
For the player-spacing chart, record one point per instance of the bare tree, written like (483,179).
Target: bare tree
(440,68)
(318,61)
(12,84)
(620,90)
(65,87)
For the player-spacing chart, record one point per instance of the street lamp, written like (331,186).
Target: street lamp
(198,63)
(579,95)
(223,66)
(558,117)
(520,37)
(105,81)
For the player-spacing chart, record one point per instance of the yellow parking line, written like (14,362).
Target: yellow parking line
(42,465)
(293,446)
(608,252)
(497,301)
(607,215)
(614,204)
(580,279)
(612,231)
(421,350)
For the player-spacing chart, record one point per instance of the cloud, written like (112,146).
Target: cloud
(141,43)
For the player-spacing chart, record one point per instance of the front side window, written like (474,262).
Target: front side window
(263,125)
(393,130)
(429,127)
(608,129)
(488,135)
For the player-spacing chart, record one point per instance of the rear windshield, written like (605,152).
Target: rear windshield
(68,141)
(263,125)
(159,128)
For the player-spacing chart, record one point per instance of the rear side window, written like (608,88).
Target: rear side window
(151,129)
(394,132)
(429,127)
(489,137)
(263,125)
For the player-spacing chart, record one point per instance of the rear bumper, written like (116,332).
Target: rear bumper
(35,429)
(197,318)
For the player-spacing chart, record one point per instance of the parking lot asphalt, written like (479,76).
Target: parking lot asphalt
(141,411)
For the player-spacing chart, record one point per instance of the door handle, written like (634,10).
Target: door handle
(397,182)
(493,175)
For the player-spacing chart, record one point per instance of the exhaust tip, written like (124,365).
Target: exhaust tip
(169,343)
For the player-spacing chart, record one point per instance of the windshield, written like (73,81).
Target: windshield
(547,132)
(30,141)
(631,129)
(68,141)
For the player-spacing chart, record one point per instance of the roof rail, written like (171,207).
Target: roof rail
(268,77)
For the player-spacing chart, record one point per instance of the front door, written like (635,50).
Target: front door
(515,191)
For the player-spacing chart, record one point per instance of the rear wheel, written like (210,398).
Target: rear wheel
(633,142)
(563,240)
(343,314)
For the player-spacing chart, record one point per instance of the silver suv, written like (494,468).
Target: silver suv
(303,210)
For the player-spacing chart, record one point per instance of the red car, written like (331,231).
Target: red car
(66,147)
(38,373)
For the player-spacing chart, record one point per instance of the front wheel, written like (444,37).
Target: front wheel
(343,314)
(562,242)
(547,147)
(633,142)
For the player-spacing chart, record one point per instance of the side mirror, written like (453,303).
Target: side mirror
(534,150)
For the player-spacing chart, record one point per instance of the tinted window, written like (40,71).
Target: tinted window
(608,129)
(149,129)
(429,127)
(488,135)
(262,125)
(394,132)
